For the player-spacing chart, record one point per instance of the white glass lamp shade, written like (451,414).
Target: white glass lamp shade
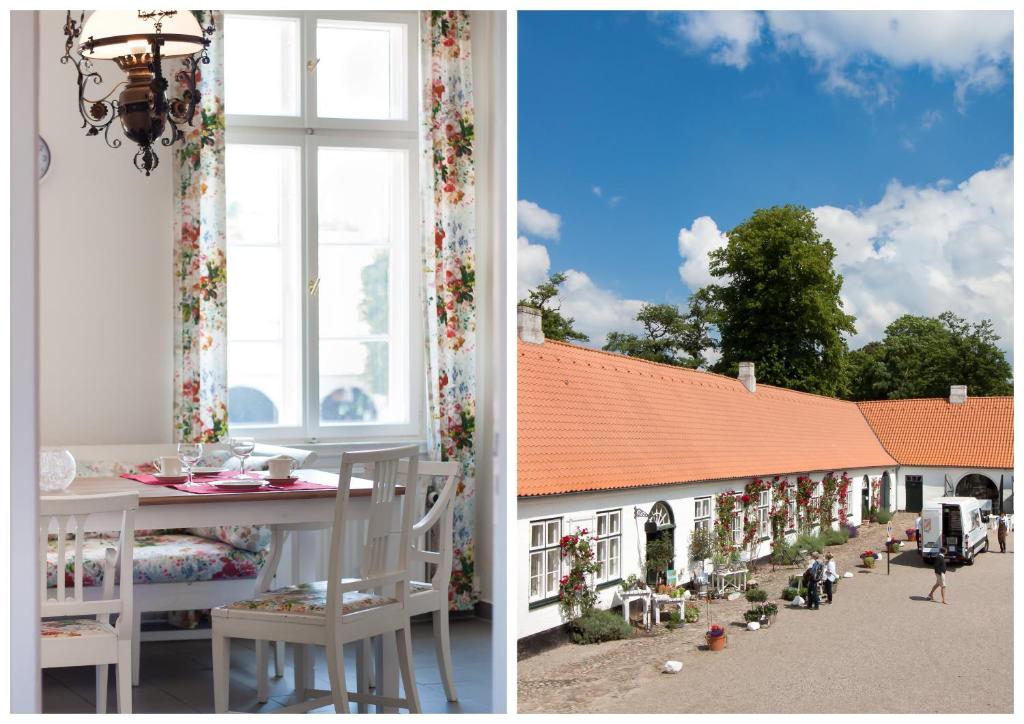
(57,470)
(103,24)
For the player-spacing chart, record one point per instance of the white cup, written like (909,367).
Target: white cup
(170,465)
(280,467)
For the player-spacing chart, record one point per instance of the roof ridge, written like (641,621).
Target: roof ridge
(620,356)
(931,399)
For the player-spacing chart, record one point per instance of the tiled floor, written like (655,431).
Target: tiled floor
(177,677)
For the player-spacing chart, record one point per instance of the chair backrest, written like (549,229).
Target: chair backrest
(384,561)
(438,519)
(66,515)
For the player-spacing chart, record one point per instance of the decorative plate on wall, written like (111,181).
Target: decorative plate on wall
(44,157)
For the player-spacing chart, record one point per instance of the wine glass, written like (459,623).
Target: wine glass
(241,448)
(189,454)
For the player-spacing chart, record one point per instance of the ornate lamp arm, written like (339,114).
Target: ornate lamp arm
(97,115)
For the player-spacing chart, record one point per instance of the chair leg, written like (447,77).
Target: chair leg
(335,653)
(262,684)
(299,660)
(278,659)
(101,688)
(124,677)
(363,664)
(443,649)
(221,671)
(405,666)
(136,645)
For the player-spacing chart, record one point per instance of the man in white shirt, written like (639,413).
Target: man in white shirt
(831,576)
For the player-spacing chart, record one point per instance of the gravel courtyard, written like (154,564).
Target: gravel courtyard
(882,647)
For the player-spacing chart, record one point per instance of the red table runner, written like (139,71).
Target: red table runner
(201,484)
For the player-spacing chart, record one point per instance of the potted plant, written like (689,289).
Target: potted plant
(716,638)
(691,613)
(868,558)
(718,560)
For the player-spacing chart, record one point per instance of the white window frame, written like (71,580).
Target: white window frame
(791,516)
(543,551)
(764,529)
(737,522)
(310,133)
(606,540)
(702,513)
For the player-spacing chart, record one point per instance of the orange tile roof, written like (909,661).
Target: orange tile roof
(591,420)
(975,433)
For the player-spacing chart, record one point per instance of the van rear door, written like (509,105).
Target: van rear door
(953,529)
(931,531)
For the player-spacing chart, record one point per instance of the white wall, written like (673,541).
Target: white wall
(578,510)
(105,267)
(933,479)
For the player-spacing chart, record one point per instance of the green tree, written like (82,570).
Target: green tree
(669,336)
(554,324)
(778,302)
(923,356)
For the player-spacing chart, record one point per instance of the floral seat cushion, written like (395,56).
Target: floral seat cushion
(74,628)
(304,599)
(164,558)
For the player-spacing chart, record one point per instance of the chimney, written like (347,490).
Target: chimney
(528,325)
(957,394)
(747,376)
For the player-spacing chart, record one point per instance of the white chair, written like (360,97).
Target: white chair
(84,636)
(334,612)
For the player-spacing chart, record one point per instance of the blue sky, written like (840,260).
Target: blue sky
(634,126)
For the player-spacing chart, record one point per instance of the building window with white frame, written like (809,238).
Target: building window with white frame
(791,517)
(702,513)
(737,522)
(608,546)
(764,529)
(323,244)
(545,558)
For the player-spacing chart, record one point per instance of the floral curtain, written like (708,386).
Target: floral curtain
(449,238)
(200,343)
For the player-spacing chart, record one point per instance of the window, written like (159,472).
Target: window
(815,504)
(764,529)
(702,513)
(545,558)
(737,522)
(608,546)
(791,520)
(322,228)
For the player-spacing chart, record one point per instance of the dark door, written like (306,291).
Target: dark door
(915,493)
(885,491)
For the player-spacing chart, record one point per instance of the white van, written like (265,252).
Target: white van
(955,524)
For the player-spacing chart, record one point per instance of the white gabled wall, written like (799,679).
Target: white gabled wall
(933,480)
(580,509)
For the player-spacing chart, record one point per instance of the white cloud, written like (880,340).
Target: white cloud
(695,244)
(597,311)
(532,266)
(918,250)
(534,220)
(929,118)
(596,190)
(727,35)
(856,50)
(614,201)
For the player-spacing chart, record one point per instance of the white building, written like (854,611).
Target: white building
(955,446)
(604,438)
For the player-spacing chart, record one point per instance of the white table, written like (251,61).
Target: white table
(723,581)
(165,507)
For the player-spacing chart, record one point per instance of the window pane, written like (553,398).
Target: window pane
(355,383)
(613,526)
(554,532)
(354,284)
(362,194)
(362,70)
(535,587)
(261,65)
(536,535)
(536,564)
(264,250)
(602,524)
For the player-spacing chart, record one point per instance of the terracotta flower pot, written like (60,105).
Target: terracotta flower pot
(716,643)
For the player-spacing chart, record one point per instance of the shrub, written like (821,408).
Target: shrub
(883,517)
(756,595)
(788,593)
(807,542)
(835,537)
(753,614)
(769,609)
(598,625)
(632,582)
(701,545)
(785,554)
(756,613)
(692,613)
(673,620)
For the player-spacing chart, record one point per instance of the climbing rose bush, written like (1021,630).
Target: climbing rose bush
(576,595)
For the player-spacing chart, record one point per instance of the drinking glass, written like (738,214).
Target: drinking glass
(189,454)
(241,448)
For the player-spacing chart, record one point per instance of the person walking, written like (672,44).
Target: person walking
(813,576)
(1001,529)
(940,576)
(831,576)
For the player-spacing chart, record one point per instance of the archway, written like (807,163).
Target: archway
(660,531)
(975,485)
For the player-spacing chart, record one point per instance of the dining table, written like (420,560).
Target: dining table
(162,506)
